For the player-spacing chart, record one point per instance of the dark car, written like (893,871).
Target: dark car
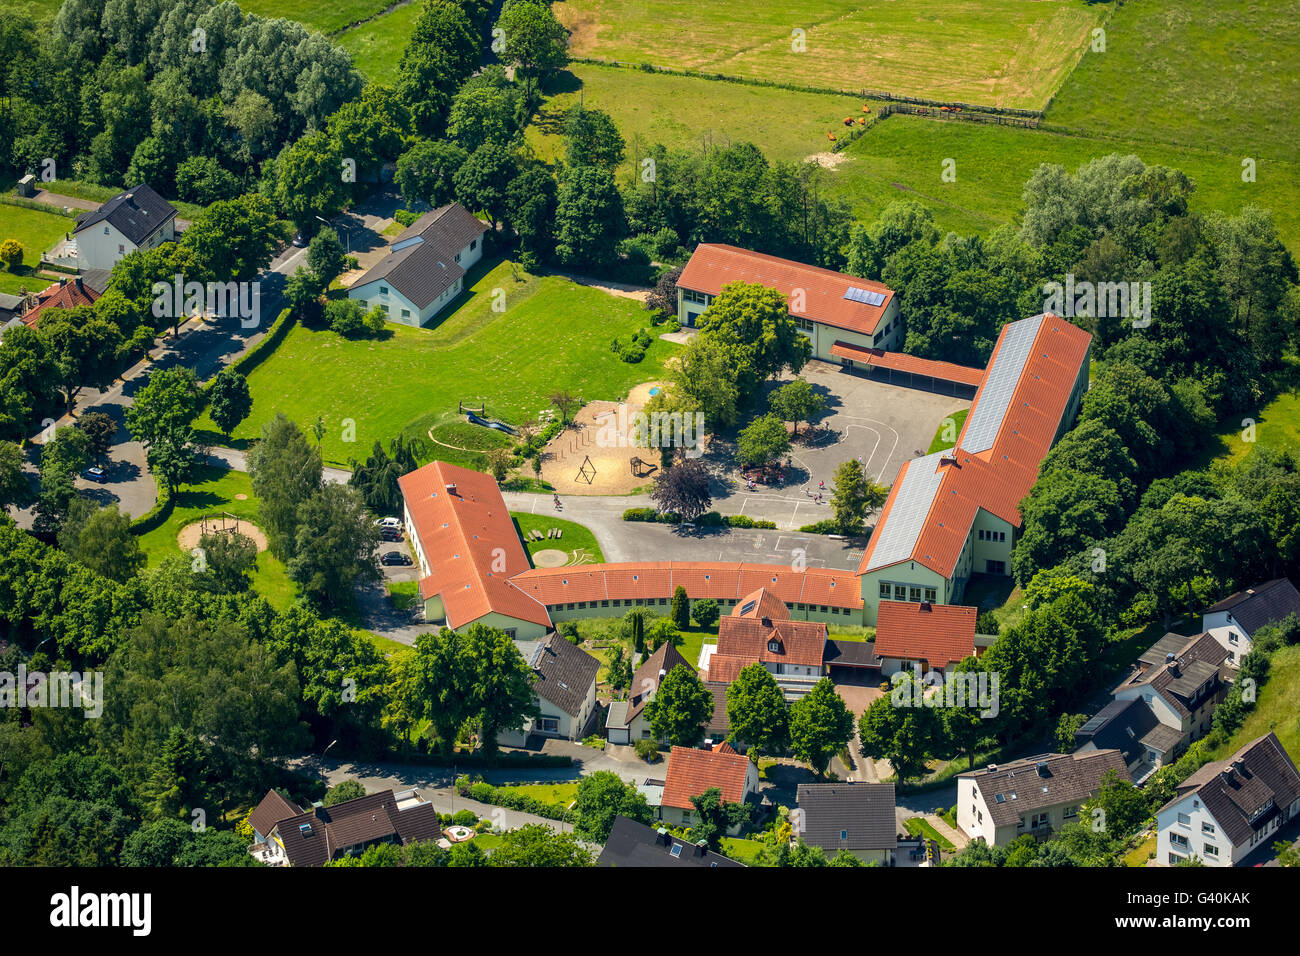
(299,240)
(389,534)
(95,473)
(395,557)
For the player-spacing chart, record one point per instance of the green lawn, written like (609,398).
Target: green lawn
(1275,710)
(376,46)
(557,794)
(553,334)
(1217,73)
(321,17)
(217,490)
(919,826)
(453,439)
(1277,426)
(36,231)
(748,852)
(404,594)
(1139,855)
(578,539)
(1002,52)
(941,441)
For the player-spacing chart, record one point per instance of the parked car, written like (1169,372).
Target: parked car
(389,534)
(299,240)
(394,557)
(395,523)
(95,473)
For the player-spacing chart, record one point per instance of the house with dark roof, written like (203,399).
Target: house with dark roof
(856,817)
(1229,808)
(1234,620)
(830,307)
(1182,679)
(759,631)
(285,835)
(424,268)
(1035,796)
(635,844)
(1132,727)
(626,721)
(691,772)
(137,218)
(565,689)
(954,513)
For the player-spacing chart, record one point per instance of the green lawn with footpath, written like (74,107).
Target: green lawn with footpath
(216,491)
(1001,52)
(552,334)
(36,231)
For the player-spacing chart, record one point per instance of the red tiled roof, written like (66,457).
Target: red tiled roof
(998,478)
(691,772)
(902,362)
(801,643)
(761,603)
(470,540)
(714,265)
(939,633)
(61,295)
(719,580)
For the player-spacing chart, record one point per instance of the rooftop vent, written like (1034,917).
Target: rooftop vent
(1041,767)
(451,488)
(993,768)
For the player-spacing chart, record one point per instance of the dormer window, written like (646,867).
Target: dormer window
(774,646)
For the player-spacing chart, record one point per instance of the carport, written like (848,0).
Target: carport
(851,662)
(908,371)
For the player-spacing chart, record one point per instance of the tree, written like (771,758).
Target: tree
(201,180)
(589,219)
(716,817)
(483,180)
(498,462)
(705,612)
(100,430)
(15,488)
(535,41)
(820,725)
(684,489)
(229,400)
(566,404)
(307,179)
(1119,808)
(1067,725)
(854,497)
(426,172)
(619,673)
(101,539)
(601,797)
(762,441)
(706,373)
(680,611)
(235,239)
(160,419)
(11,253)
(591,138)
(486,110)
(530,207)
(441,53)
(679,708)
(439,685)
(61,459)
(377,479)
(286,471)
(757,711)
(335,544)
(796,401)
(84,346)
(302,292)
(342,792)
(345,317)
(755,326)
(898,729)
(502,690)
(537,845)
(325,256)
(230,560)
(663,297)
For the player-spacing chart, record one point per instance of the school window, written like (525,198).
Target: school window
(931,594)
(981,534)
(900,592)
(916,594)
(690,295)
(996,567)
(885,590)
(604,604)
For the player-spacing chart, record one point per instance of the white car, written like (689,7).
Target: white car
(394,523)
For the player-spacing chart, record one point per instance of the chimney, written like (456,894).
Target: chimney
(661,836)
(993,768)
(702,847)
(767,622)
(451,488)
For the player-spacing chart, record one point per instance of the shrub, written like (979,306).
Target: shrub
(11,252)
(987,623)
(827,526)
(640,514)
(647,750)
(710,519)
(482,792)
(705,613)
(345,317)
(631,354)
(745,521)
(406,216)
(570,631)
(464,818)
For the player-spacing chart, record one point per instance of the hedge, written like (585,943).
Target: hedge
(826,526)
(650,514)
(158,514)
(484,792)
(252,357)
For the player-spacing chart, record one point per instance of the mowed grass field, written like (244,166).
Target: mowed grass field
(553,334)
(377,45)
(995,52)
(36,231)
(1221,74)
(324,17)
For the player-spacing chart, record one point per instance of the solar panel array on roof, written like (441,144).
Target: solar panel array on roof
(911,505)
(1000,384)
(865,296)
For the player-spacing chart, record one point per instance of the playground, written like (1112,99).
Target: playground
(219,523)
(597,454)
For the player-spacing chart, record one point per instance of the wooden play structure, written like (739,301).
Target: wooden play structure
(642,468)
(586,471)
(218,523)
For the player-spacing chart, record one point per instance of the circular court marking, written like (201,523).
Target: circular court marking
(551,558)
(241,497)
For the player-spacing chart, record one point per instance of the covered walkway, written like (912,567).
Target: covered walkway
(909,371)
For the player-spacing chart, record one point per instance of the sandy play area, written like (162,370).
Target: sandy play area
(612,460)
(188,539)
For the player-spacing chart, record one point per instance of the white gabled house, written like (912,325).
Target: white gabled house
(135,219)
(1234,620)
(1230,808)
(425,267)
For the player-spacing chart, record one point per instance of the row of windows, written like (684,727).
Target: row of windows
(904,592)
(992,535)
(690,295)
(651,602)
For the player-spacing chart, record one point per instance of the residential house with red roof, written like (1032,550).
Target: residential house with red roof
(759,631)
(691,772)
(64,294)
(831,307)
(926,636)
